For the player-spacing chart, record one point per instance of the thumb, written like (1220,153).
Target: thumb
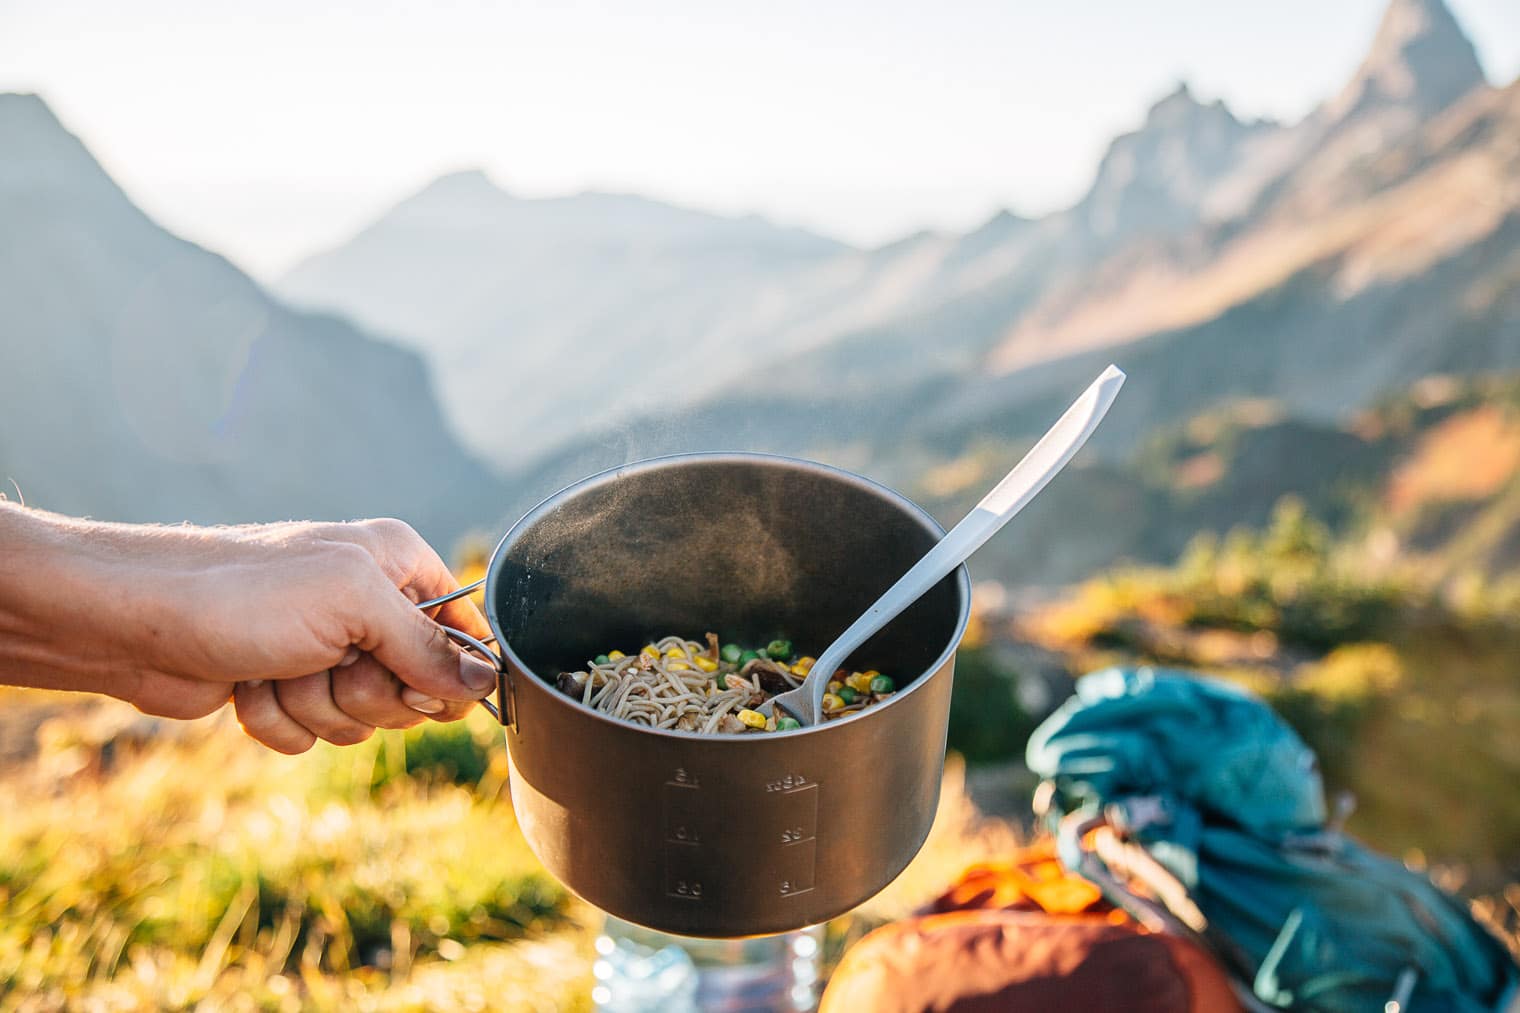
(421,654)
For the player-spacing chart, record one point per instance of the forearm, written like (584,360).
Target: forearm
(68,617)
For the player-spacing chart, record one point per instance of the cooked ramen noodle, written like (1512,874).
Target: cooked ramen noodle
(713,689)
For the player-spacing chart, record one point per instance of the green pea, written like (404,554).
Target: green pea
(847,694)
(721,680)
(731,653)
(745,657)
(601,659)
(883,684)
(778,650)
(787,724)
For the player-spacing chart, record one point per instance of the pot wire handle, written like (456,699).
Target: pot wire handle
(470,643)
(458,592)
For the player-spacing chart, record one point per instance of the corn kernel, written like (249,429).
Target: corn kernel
(798,669)
(807,662)
(858,681)
(753,719)
(871,674)
(706,664)
(676,652)
(650,650)
(615,655)
(831,702)
(678,666)
(834,686)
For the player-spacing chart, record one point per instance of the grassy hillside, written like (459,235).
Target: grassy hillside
(1406,688)
(156,865)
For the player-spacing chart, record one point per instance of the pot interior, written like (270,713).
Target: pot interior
(751,547)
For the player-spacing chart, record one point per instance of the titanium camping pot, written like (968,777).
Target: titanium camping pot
(720,835)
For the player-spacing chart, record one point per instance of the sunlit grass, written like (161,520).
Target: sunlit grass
(156,865)
(206,868)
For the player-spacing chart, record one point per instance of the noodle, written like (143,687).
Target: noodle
(694,686)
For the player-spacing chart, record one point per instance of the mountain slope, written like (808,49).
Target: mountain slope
(584,292)
(147,379)
(1446,190)
(1345,282)
(556,296)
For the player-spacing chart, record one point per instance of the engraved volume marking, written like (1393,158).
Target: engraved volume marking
(684,826)
(794,801)
(790,782)
(683,813)
(784,865)
(686,877)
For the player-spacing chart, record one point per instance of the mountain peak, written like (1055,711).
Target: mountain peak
(1173,106)
(456,200)
(25,116)
(14,100)
(42,156)
(1419,58)
(1156,178)
(462,184)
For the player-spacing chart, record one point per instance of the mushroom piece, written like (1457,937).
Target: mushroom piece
(570,682)
(730,725)
(768,675)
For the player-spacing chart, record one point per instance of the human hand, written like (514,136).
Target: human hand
(310,628)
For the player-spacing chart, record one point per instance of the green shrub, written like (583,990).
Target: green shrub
(456,753)
(986,720)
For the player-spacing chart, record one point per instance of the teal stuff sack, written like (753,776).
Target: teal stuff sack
(1225,805)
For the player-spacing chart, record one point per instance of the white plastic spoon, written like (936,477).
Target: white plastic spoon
(1055,449)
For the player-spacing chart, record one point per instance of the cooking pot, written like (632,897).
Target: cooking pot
(720,835)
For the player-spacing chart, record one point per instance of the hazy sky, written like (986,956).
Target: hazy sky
(269,130)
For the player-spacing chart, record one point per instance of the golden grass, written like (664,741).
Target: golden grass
(171,866)
(207,871)
(1470,456)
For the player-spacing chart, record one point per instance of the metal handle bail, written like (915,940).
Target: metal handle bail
(502,710)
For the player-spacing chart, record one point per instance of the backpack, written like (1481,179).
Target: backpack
(1024,935)
(1192,805)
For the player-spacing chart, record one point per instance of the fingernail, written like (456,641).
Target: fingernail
(351,656)
(421,701)
(476,674)
(254,683)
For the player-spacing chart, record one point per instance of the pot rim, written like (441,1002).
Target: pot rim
(512,662)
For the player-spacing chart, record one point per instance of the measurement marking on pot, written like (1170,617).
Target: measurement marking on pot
(793,803)
(789,783)
(683,813)
(684,872)
(794,868)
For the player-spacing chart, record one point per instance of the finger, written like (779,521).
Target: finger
(417,650)
(437,710)
(367,692)
(260,715)
(309,701)
(462,614)
(415,566)
(174,696)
